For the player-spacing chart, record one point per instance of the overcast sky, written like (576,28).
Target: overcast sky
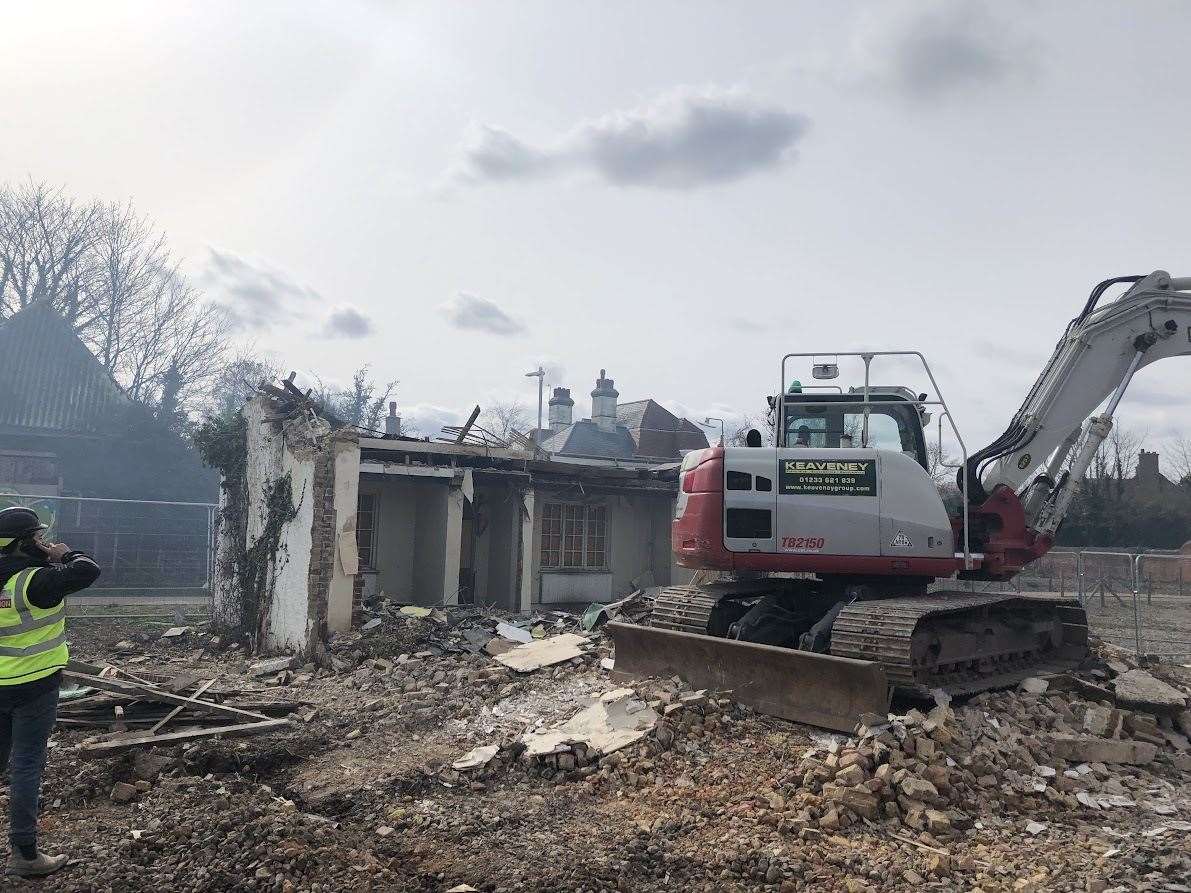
(678,192)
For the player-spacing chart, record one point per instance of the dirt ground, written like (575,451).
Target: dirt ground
(360,794)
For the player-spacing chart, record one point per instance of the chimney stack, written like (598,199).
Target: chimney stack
(561,407)
(1147,467)
(392,421)
(603,403)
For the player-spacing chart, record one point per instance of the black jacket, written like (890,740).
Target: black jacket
(53,582)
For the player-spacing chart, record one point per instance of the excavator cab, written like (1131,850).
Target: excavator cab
(827,420)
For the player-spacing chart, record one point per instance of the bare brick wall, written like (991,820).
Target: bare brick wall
(358,600)
(322,537)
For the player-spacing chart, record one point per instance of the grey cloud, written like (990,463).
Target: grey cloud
(928,51)
(684,140)
(255,297)
(477,314)
(348,322)
(493,155)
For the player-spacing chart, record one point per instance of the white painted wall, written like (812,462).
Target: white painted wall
(347,482)
(290,624)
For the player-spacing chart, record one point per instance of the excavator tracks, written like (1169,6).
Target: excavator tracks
(684,609)
(962,642)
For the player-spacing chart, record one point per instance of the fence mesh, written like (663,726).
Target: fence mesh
(143,548)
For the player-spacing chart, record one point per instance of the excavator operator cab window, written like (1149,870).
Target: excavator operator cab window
(893,424)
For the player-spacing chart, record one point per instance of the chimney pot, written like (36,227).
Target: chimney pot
(561,409)
(603,402)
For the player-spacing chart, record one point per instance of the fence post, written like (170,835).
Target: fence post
(1079,575)
(1136,607)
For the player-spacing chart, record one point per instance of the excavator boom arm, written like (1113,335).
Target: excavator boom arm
(1100,351)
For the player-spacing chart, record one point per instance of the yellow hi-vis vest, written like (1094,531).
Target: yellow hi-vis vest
(32,639)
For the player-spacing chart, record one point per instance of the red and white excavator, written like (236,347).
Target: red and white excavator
(825,545)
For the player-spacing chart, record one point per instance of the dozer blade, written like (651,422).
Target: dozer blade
(818,689)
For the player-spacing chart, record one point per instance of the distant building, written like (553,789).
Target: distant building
(643,429)
(68,430)
(1148,482)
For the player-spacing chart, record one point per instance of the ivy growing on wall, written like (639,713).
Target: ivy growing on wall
(223,444)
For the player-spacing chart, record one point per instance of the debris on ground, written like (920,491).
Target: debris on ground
(544,653)
(410,757)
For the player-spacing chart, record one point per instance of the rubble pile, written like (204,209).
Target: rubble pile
(1045,748)
(453,746)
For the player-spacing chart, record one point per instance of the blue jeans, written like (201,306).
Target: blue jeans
(24,732)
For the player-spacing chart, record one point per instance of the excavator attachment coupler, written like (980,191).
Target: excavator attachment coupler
(817,689)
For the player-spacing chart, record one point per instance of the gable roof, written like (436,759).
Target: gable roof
(52,382)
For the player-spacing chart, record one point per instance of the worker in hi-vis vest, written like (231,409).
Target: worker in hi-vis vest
(36,576)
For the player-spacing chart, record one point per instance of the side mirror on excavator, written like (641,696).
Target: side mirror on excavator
(752,438)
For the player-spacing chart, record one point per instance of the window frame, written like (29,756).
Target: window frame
(571,534)
(370,547)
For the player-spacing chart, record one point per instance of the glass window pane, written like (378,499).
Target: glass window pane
(552,535)
(572,536)
(884,431)
(597,526)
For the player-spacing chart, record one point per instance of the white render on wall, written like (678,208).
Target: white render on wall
(347,486)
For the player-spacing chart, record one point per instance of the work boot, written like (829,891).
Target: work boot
(39,866)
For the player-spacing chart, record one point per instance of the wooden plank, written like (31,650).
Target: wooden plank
(237,731)
(201,690)
(147,693)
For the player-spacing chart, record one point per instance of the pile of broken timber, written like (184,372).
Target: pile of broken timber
(137,709)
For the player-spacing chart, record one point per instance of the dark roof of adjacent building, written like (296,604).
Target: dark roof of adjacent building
(658,432)
(586,438)
(52,382)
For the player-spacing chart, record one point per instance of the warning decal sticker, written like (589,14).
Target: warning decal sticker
(827,477)
(901,541)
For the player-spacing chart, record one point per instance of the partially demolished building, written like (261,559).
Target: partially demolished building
(315,520)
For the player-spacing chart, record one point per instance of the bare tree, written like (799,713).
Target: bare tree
(109,273)
(131,261)
(502,418)
(45,241)
(939,464)
(178,345)
(1178,460)
(739,434)
(1114,461)
(237,381)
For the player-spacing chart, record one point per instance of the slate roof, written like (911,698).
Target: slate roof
(51,382)
(586,438)
(657,432)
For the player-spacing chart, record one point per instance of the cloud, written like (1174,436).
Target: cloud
(254,295)
(427,419)
(684,139)
(347,322)
(927,51)
(556,372)
(477,314)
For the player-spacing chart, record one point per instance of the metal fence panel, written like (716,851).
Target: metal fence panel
(1138,600)
(144,548)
